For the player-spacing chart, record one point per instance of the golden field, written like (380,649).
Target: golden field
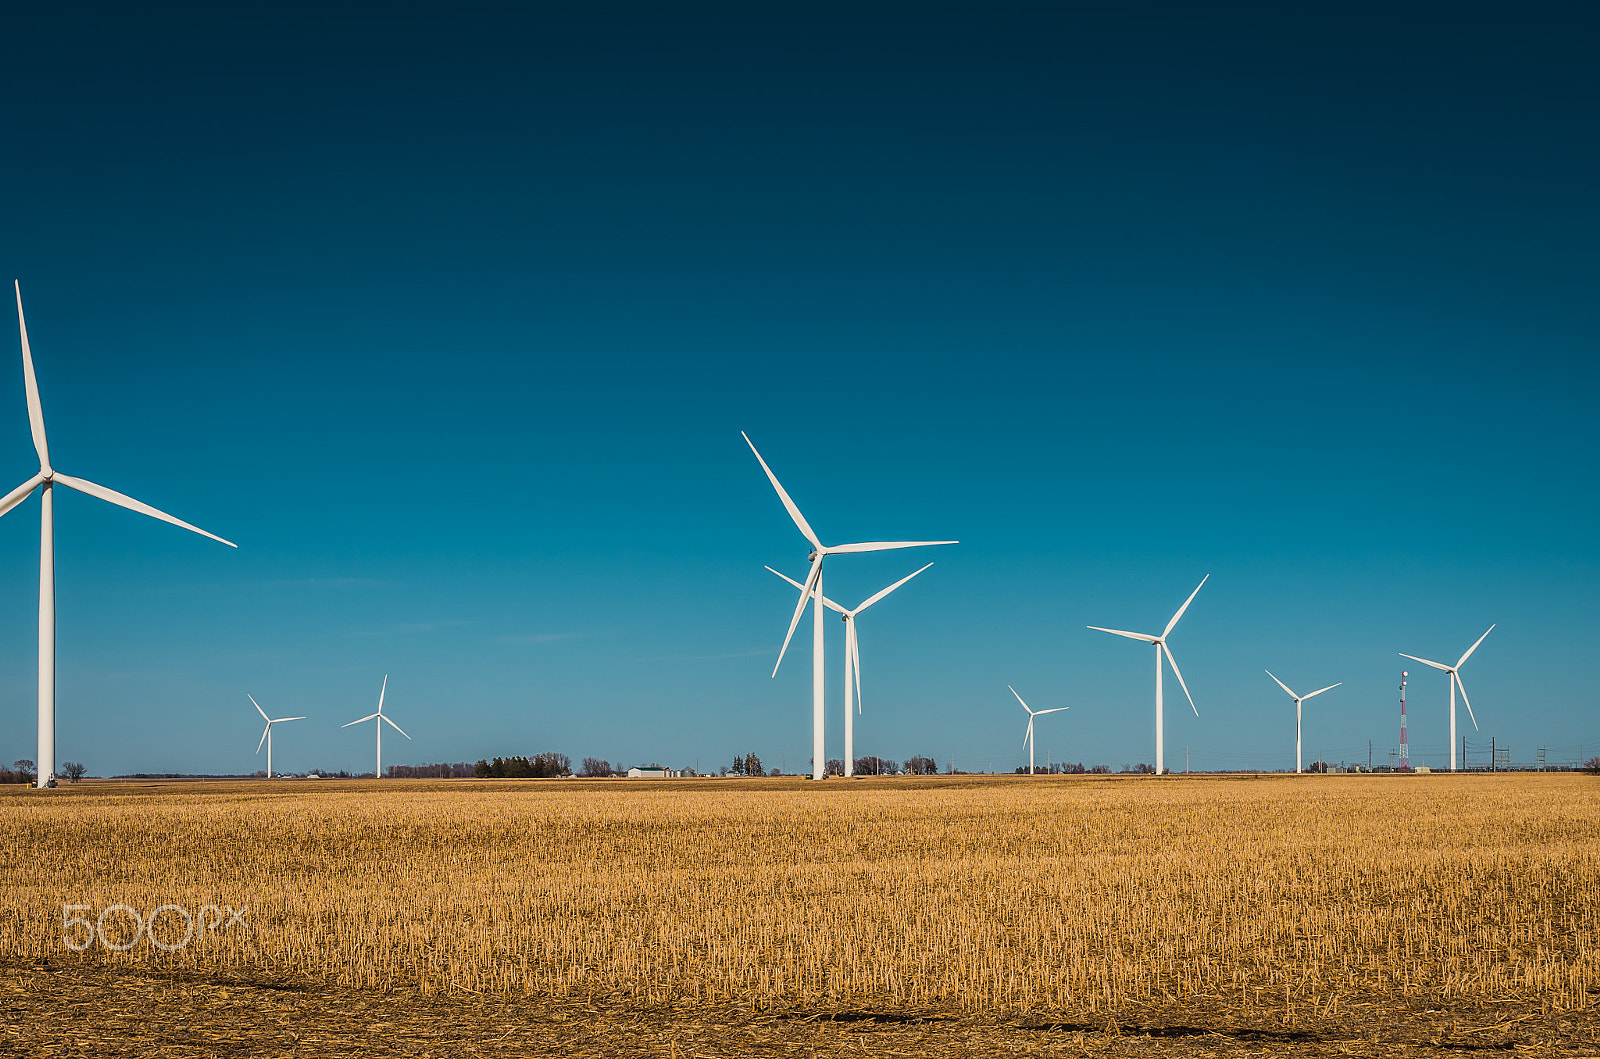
(1073,894)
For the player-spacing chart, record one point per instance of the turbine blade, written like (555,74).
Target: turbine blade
(1179,675)
(882,546)
(794,512)
(20,493)
(879,595)
(1130,635)
(1053,709)
(1173,623)
(391,724)
(830,604)
(1284,686)
(855,659)
(799,609)
(358,720)
(1424,661)
(1030,728)
(381,690)
(259,710)
(1463,689)
(1474,647)
(264,732)
(114,497)
(1019,699)
(280,720)
(1319,691)
(31,384)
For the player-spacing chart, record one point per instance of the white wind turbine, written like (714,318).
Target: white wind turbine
(813,586)
(1032,713)
(381,718)
(49,477)
(1161,646)
(1298,699)
(1455,682)
(266,736)
(852,660)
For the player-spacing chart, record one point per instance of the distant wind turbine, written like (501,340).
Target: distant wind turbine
(1032,713)
(813,586)
(1161,646)
(1455,682)
(1298,699)
(382,719)
(49,477)
(266,736)
(852,660)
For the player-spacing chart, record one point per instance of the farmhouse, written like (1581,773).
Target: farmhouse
(653,772)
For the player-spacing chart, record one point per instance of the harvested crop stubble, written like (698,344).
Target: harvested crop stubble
(1028,893)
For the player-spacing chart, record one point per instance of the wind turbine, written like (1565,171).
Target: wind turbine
(1455,682)
(1032,713)
(1161,647)
(49,477)
(813,586)
(852,660)
(382,718)
(1298,699)
(266,736)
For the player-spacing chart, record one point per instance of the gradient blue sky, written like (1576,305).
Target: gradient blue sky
(451,317)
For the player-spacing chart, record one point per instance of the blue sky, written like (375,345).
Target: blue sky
(452,319)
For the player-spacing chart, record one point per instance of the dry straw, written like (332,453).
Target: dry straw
(1080,895)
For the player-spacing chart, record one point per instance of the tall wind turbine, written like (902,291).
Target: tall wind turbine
(381,718)
(1455,682)
(266,736)
(1032,713)
(1298,699)
(1161,647)
(49,477)
(852,660)
(813,586)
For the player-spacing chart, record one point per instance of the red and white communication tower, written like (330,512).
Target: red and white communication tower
(1405,751)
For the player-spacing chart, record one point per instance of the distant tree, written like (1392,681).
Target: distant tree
(834,767)
(752,766)
(871,765)
(550,765)
(737,768)
(921,766)
(73,770)
(1101,770)
(24,767)
(593,767)
(442,770)
(1593,765)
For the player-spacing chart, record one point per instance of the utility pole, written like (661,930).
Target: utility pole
(1186,759)
(1369,755)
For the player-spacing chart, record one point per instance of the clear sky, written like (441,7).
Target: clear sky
(451,317)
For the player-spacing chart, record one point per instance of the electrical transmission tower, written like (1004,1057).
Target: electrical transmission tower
(1405,749)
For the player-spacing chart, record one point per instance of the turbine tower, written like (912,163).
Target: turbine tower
(813,587)
(382,718)
(1160,643)
(1032,713)
(49,477)
(1455,682)
(1298,699)
(266,736)
(852,660)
